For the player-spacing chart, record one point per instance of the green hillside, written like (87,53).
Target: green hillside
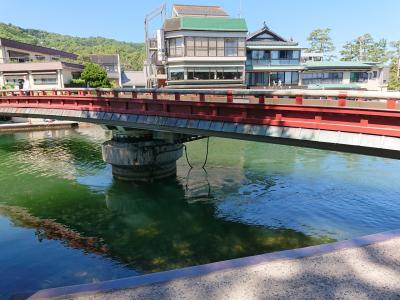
(131,54)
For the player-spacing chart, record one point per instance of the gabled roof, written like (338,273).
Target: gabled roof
(198,10)
(34,48)
(265,36)
(206,24)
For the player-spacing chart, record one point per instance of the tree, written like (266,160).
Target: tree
(95,76)
(365,48)
(321,42)
(394,80)
(396,56)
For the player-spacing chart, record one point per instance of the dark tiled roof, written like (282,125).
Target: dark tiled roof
(104,58)
(270,43)
(34,48)
(263,30)
(199,10)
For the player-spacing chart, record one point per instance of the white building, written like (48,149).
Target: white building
(43,67)
(204,48)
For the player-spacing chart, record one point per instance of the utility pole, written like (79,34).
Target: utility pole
(361,43)
(160,11)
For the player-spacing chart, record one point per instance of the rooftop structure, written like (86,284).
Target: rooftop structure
(179,10)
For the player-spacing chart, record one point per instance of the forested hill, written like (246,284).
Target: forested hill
(131,54)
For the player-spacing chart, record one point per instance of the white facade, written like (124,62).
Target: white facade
(41,67)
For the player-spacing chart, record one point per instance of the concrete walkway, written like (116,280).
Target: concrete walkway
(364,268)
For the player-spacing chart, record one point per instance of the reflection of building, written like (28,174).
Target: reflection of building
(111,64)
(204,47)
(43,67)
(271,59)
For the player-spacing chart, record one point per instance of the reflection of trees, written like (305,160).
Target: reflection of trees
(51,230)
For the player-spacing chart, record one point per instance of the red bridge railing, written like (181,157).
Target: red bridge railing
(350,111)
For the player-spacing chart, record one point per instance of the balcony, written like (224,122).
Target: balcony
(273,62)
(29,59)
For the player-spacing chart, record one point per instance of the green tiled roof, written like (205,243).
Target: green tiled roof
(213,23)
(338,64)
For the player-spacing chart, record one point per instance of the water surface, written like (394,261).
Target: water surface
(64,220)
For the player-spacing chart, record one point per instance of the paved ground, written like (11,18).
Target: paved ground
(371,272)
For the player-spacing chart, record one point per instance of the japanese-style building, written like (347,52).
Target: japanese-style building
(272,60)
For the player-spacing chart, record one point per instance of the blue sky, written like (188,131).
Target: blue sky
(123,19)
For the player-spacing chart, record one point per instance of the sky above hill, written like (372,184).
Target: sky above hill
(123,19)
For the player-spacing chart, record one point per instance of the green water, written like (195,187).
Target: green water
(64,220)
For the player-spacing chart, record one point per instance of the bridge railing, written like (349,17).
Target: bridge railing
(336,98)
(376,113)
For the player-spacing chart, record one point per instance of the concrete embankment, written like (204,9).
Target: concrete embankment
(362,268)
(15,127)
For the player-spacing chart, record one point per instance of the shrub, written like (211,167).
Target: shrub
(95,76)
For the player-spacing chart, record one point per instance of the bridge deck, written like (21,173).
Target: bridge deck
(324,119)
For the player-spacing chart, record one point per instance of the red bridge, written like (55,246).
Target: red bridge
(352,121)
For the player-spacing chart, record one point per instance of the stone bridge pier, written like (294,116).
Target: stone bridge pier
(142,156)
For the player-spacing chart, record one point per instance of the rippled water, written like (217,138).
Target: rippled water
(64,220)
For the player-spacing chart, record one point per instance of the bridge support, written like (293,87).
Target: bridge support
(141,158)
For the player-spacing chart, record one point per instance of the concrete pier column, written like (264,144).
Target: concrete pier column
(143,160)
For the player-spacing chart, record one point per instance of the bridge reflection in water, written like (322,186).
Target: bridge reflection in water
(255,198)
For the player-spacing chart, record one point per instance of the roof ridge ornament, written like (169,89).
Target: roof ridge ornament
(265,25)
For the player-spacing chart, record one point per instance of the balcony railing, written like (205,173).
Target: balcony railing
(28,59)
(273,62)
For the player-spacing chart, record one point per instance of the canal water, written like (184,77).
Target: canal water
(65,221)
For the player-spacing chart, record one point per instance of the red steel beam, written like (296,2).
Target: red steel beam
(340,118)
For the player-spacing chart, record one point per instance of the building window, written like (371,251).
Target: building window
(211,47)
(358,76)
(201,47)
(110,68)
(257,79)
(287,78)
(322,77)
(215,74)
(45,79)
(175,47)
(176,74)
(220,47)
